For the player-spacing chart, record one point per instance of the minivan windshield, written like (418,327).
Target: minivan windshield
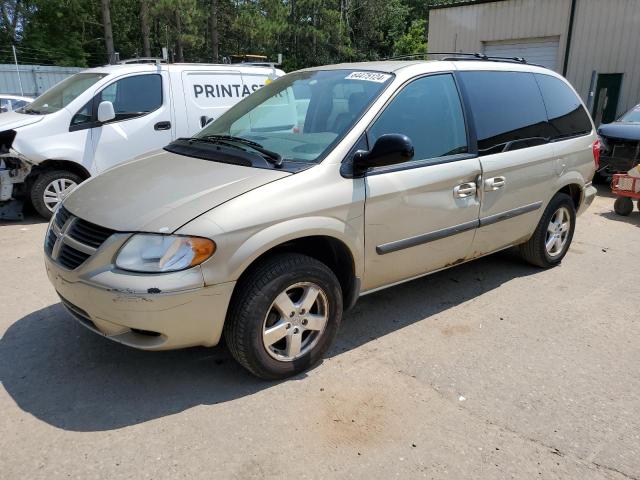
(301,115)
(62,94)
(632,116)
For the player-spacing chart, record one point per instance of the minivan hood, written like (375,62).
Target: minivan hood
(12,120)
(162,191)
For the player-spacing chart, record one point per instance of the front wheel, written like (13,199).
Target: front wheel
(284,315)
(550,242)
(50,188)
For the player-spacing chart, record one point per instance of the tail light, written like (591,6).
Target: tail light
(597,145)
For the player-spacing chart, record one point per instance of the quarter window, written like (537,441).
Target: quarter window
(567,116)
(429,112)
(84,115)
(134,96)
(507,110)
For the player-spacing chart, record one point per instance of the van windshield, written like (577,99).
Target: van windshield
(302,115)
(62,94)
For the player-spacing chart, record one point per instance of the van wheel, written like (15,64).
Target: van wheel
(50,188)
(283,315)
(550,242)
(623,206)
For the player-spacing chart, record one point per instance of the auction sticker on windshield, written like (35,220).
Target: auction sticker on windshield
(369,76)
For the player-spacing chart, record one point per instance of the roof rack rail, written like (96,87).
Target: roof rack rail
(142,60)
(455,56)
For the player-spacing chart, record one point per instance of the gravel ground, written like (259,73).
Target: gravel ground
(492,369)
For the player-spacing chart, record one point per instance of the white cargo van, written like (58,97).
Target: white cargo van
(104,116)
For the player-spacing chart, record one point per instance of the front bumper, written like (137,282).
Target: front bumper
(171,318)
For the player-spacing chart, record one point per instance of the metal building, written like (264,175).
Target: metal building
(595,44)
(32,80)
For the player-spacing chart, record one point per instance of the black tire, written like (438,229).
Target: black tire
(252,301)
(638,204)
(623,206)
(40,184)
(534,250)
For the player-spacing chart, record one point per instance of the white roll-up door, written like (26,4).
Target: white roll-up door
(540,51)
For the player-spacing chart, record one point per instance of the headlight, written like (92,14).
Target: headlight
(163,253)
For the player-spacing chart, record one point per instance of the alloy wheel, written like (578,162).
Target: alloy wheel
(558,232)
(295,321)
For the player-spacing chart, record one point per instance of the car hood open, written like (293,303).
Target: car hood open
(620,130)
(162,191)
(13,120)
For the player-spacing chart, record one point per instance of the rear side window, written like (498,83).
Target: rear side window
(429,112)
(507,110)
(134,96)
(567,116)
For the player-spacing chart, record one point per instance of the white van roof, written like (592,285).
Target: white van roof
(154,67)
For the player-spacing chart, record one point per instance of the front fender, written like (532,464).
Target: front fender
(234,256)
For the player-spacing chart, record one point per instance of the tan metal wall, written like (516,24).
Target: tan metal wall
(606,38)
(606,35)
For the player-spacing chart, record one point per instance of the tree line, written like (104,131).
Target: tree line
(88,33)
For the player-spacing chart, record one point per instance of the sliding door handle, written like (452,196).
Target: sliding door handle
(464,190)
(492,184)
(162,126)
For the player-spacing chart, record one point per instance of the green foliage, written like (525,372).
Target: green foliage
(414,41)
(306,32)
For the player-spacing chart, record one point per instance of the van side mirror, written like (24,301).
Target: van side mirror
(389,149)
(106,112)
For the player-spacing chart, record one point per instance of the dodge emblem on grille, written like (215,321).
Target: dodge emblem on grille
(60,234)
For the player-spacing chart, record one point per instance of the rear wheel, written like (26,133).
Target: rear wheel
(551,240)
(623,206)
(284,315)
(50,188)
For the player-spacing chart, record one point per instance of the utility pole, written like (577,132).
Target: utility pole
(15,59)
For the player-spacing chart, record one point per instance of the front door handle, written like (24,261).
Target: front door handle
(464,190)
(162,126)
(492,184)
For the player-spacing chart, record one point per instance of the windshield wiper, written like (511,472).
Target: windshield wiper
(28,110)
(272,157)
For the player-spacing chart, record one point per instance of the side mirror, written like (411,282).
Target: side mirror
(389,149)
(106,112)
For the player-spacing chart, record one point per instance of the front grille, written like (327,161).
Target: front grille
(71,258)
(49,242)
(62,215)
(620,155)
(77,312)
(86,233)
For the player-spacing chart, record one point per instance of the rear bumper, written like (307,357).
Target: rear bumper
(588,195)
(148,321)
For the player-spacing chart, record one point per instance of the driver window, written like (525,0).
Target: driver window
(429,112)
(133,96)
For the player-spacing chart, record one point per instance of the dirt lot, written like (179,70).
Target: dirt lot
(490,370)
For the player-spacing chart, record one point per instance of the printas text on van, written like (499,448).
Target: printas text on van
(222,91)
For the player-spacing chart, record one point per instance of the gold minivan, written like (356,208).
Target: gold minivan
(327,184)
